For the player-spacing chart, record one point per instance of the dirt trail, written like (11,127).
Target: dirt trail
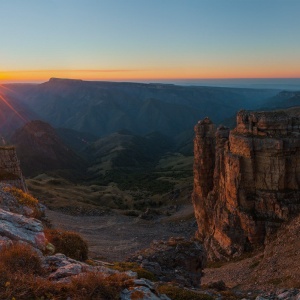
(113,237)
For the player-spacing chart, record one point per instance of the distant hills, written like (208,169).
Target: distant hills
(284,99)
(109,126)
(127,151)
(101,108)
(40,149)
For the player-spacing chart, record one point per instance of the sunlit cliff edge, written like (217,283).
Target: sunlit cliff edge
(246,181)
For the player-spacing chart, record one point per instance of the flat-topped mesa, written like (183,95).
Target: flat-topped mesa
(10,171)
(271,123)
(246,181)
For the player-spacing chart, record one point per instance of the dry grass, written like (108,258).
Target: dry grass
(27,200)
(23,198)
(20,257)
(67,242)
(89,286)
(137,295)
(22,277)
(62,195)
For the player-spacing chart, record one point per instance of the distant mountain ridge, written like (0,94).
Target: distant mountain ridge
(101,108)
(284,99)
(93,117)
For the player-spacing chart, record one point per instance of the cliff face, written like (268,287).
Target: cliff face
(246,181)
(10,171)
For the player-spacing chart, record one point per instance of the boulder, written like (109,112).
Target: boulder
(63,268)
(177,260)
(16,227)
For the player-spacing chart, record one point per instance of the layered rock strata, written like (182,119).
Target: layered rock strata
(246,181)
(10,171)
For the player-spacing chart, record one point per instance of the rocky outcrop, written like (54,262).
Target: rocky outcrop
(143,289)
(15,227)
(246,181)
(16,222)
(63,268)
(10,171)
(177,260)
(9,202)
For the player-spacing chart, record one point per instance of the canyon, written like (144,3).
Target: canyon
(246,180)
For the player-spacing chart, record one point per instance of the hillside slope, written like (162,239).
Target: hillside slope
(275,267)
(40,149)
(13,113)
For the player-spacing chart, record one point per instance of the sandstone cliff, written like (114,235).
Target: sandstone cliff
(246,181)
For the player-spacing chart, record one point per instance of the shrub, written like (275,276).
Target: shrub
(96,286)
(27,200)
(20,258)
(67,242)
(21,277)
(177,293)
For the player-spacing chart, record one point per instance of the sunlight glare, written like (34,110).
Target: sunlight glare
(13,109)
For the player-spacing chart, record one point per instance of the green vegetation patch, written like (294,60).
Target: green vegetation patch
(134,180)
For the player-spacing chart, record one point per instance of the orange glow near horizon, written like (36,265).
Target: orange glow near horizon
(147,74)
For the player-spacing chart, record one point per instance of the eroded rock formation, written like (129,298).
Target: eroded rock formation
(246,181)
(10,171)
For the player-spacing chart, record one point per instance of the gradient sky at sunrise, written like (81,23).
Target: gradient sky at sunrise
(149,39)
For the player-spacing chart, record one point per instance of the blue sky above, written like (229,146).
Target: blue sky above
(191,37)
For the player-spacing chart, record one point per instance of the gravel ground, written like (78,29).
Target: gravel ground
(113,237)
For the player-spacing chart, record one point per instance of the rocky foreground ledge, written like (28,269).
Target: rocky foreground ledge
(30,269)
(24,248)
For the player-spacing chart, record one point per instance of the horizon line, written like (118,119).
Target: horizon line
(16,81)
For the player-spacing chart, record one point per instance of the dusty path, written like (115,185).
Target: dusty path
(113,237)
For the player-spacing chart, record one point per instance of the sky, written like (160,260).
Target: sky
(148,39)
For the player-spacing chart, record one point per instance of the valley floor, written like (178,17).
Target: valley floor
(113,237)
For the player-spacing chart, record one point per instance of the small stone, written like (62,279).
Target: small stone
(66,271)
(131,274)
